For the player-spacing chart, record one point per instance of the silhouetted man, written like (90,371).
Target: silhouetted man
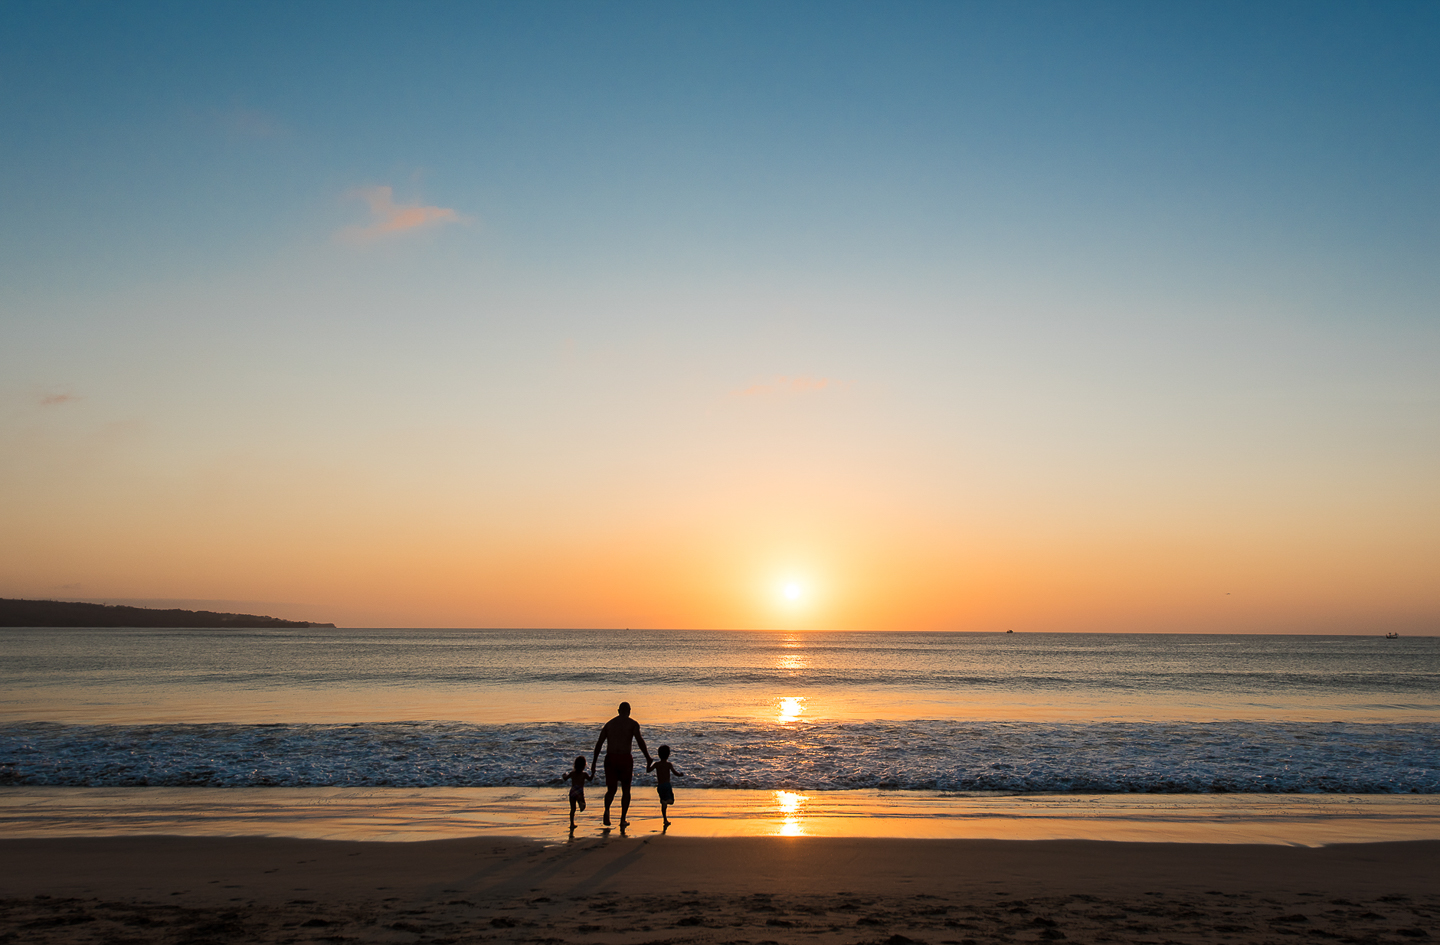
(619,763)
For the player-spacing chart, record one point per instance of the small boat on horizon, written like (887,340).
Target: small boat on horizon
(1392,635)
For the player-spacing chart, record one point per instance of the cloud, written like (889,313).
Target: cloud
(389,218)
(782,386)
(55,400)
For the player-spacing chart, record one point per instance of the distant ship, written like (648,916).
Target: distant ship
(1392,635)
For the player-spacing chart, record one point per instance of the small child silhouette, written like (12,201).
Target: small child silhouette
(577,777)
(663,770)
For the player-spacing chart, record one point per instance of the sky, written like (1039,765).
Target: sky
(920,316)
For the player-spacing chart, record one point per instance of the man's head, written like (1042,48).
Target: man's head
(625,709)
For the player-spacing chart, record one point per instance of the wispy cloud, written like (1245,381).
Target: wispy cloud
(55,400)
(389,218)
(782,386)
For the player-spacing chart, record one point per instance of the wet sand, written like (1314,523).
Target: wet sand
(654,889)
(411,814)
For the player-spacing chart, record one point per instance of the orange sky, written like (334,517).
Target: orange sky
(436,535)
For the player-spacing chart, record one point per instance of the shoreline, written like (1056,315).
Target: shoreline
(424,814)
(741,889)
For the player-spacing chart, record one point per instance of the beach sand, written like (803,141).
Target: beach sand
(654,889)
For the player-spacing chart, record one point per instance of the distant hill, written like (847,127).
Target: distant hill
(59,613)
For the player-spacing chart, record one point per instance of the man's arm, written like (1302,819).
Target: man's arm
(595,758)
(640,740)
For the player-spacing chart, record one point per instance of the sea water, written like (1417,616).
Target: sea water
(1078,714)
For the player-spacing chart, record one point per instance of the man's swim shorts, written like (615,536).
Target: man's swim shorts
(619,769)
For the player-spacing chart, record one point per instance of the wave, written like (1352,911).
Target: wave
(1129,681)
(1004,757)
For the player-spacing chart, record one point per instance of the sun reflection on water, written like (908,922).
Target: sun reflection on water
(789,803)
(791,708)
(794,660)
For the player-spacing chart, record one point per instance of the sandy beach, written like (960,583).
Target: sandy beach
(744,889)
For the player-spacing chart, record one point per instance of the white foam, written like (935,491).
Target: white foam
(985,757)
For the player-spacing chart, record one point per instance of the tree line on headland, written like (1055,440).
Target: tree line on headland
(60,613)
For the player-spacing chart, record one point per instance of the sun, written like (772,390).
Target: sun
(792,595)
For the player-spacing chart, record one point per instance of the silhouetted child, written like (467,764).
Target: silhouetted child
(577,777)
(663,770)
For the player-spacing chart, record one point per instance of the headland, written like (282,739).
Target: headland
(60,613)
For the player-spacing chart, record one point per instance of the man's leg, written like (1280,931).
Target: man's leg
(624,803)
(611,782)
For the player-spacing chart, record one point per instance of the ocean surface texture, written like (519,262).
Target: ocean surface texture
(973,713)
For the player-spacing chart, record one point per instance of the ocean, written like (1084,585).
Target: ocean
(976,714)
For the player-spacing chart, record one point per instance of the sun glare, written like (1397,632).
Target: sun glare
(793,597)
(789,804)
(788,801)
(791,708)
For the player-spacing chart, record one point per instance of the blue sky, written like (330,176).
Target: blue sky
(1039,278)
(719,136)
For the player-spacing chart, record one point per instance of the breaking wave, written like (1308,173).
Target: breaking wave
(1007,757)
